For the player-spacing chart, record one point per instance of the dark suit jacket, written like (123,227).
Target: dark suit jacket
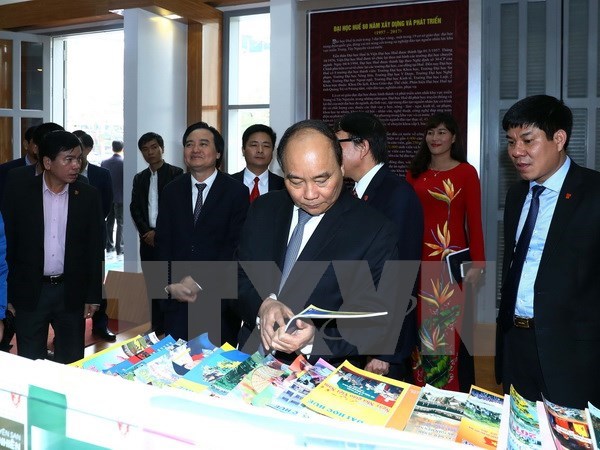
(566,290)
(100,179)
(139,194)
(84,254)
(275,181)
(114,165)
(6,167)
(397,200)
(349,231)
(214,237)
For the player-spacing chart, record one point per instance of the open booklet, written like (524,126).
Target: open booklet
(314,312)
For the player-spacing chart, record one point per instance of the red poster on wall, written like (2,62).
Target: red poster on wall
(402,63)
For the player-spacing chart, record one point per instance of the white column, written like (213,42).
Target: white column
(155,99)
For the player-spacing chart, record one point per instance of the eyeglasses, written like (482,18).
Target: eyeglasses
(356,140)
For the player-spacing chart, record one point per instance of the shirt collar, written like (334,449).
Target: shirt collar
(363,183)
(209,181)
(555,182)
(46,188)
(249,176)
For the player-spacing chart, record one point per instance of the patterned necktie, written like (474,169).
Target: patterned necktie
(293,248)
(198,207)
(513,276)
(255,193)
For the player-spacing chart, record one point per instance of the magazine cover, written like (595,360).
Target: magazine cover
(124,366)
(437,413)
(593,419)
(288,397)
(260,378)
(356,395)
(314,312)
(214,366)
(480,423)
(230,380)
(523,423)
(568,425)
(113,355)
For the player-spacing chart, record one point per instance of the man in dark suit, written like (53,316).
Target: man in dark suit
(199,219)
(145,198)
(341,253)
(100,179)
(258,142)
(548,335)
(114,165)
(54,252)
(30,158)
(364,147)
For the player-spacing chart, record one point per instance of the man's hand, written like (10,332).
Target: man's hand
(273,315)
(377,366)
(292,342)
(11,308)
(89,310)
(148,238)
(185,291)
(1,329)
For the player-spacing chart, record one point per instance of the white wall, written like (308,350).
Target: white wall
(155,99)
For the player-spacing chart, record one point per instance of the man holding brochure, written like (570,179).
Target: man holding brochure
(314,243)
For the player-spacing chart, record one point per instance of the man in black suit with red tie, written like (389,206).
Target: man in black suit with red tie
(147,190)
(548,338)
(199,219)
(258,143)
(323,247)
(364,147)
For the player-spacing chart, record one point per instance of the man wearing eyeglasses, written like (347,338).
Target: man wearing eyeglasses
(365,155)
(313,243)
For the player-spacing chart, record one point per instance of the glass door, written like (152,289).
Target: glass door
(24,88)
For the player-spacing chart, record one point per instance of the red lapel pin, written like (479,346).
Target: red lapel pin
(568,195)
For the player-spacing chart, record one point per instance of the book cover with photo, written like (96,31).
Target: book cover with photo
(523,423)
(569,426)
(480,423)
(356,395)
(592,415)
(437,413)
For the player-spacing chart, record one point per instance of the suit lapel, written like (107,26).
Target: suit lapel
(513,215)
(373,187)
(569,198)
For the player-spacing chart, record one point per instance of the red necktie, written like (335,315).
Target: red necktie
(255,193)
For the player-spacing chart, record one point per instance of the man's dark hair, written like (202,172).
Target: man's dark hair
(422,158)
(365,126)
(547,113)
(258,128)
(86,139)
(219,142)
(29,133)
(147,137)
(117,146)
(43,129)
(57,141)
(315,125)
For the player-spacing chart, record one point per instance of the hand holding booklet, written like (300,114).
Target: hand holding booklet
(314,312)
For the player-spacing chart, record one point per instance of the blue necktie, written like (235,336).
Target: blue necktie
(514,272)
(293,248)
